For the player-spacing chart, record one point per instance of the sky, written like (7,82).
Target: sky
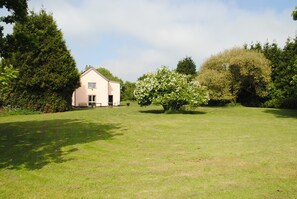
(133,37)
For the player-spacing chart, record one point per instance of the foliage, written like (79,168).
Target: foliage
(294,13)
(186,66)
(142,77)
(47,71)
(18,10)
(218,84)
(237,75)
(283,91)
(170,89)
(288,68)
(127,91)
(106,73)
(7,75)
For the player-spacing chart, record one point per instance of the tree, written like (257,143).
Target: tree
(142,77)
(18,10)
(236,74)
(286,74)
(186,66)
(273,53)
(294,13)
(109,75)
(47,71)
(283,91)
(127,91)
(170,89)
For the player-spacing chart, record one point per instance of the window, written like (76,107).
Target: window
(91,85)
(92,100)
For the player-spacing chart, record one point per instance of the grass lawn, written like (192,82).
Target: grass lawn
(133,152)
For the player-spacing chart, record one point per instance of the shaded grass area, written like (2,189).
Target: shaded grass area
(158,111)
(33,144)
(133,152)
(283,113)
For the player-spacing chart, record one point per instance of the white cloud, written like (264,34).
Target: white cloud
(165,30)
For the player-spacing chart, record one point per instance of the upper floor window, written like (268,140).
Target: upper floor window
(91,85)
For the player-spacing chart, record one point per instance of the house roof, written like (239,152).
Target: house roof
(93,69)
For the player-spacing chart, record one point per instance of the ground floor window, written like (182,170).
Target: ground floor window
(92,100)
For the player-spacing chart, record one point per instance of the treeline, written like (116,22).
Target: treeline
(38,72)
(262,75)
(259,75)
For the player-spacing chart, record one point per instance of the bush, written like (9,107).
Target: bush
(170,90)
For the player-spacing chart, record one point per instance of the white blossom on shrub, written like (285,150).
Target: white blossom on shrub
(170,89)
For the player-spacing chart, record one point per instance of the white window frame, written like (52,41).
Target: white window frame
(92,102)
(92,85)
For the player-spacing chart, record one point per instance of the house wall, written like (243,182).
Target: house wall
(81,94)
(103,89)
(114,90)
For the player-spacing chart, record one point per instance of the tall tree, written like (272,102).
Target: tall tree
(47,71)
(18,10)
(287,70)
(283,91)
(186,66)
(273,53)
(127,91)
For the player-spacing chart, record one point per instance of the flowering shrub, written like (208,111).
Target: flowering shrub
(170,89)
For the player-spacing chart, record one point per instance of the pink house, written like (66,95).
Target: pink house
(96,90)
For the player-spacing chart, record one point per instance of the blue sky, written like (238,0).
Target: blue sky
(133,37)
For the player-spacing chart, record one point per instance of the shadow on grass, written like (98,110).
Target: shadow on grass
(283,113)
(34,144)
(152,111)
(173,112)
